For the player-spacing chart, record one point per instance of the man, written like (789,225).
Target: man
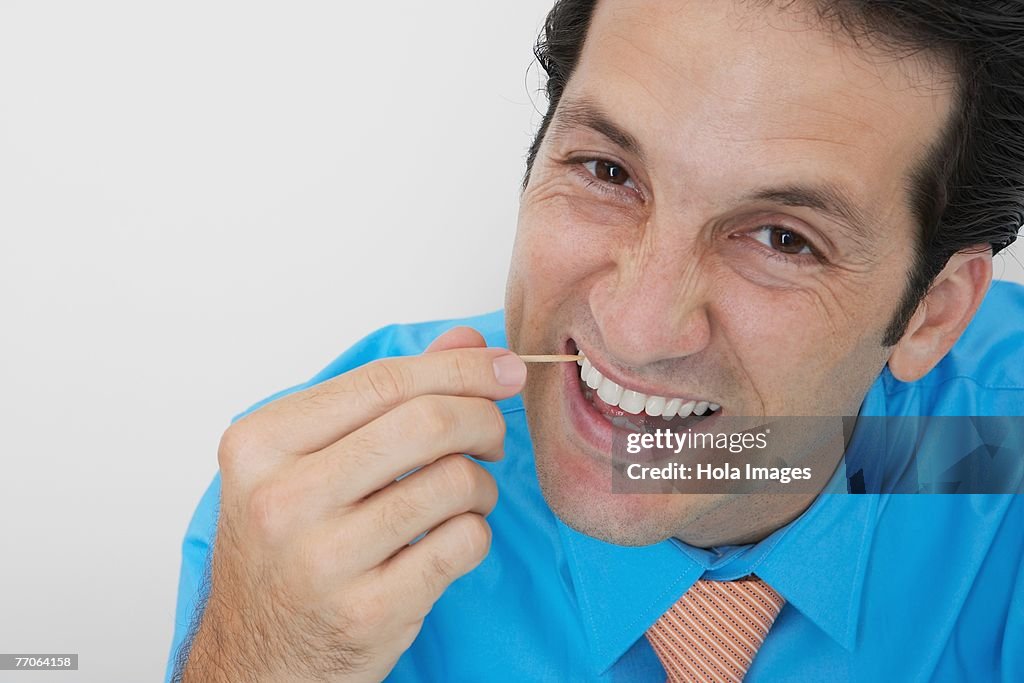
(753,208)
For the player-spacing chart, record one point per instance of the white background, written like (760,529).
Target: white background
(202,203)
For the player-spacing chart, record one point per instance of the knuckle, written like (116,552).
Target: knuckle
(460,373)
(476,533)
(490,490)
(359,450)
(266,511)
(397,515)
(439,570)
(460,476)
(495,421)
(433,417)
(235,442)
(385,383)
(315,399)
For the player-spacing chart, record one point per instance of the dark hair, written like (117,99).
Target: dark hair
(969,188)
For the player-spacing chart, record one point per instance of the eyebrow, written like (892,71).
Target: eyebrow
(584,113)
(828,199)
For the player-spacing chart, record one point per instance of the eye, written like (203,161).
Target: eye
(784,240)
(609,172)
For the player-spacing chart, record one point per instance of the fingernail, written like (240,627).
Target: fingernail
(509,370)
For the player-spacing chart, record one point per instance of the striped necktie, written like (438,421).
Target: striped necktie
(711,634)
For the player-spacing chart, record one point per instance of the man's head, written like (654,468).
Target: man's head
(757,206)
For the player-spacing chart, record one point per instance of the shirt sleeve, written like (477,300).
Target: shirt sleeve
(195,555)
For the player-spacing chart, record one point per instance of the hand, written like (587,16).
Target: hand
(313,577)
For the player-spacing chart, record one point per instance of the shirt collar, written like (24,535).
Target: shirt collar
(817,563)
(819,566)
(622,590)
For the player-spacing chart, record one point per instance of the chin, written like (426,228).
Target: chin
(572,453)
(590,507)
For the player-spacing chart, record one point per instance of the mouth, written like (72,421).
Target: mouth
(601,405)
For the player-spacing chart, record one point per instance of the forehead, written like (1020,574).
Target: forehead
(726,92)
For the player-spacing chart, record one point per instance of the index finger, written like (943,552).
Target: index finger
(309,420)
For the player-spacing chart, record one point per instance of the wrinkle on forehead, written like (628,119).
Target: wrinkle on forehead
(776,94)
(931,73)
(851,28)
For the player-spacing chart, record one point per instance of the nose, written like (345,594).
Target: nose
(653,305)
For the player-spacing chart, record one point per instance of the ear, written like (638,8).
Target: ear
(943,314)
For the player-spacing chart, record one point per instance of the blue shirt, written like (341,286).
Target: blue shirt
(878,587)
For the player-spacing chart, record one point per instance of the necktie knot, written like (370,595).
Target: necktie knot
(712,633)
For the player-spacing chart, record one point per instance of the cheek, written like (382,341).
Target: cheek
(558,245)
(540,277)
(814,347)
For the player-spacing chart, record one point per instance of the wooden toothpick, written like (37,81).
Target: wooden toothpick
(551,358)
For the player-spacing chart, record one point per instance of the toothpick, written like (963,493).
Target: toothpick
(553,358)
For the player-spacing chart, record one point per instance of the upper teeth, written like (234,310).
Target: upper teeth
(634,402)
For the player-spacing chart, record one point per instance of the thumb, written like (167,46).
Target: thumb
(457,338)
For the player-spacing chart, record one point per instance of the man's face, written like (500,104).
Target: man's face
(667,232)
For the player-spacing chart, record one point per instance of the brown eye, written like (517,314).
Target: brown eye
(782,240)
(609,172)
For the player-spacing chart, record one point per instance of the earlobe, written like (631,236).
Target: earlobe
(943,314)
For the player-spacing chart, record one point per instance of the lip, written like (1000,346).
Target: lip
(592,426)
(589,424)
(635,385)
